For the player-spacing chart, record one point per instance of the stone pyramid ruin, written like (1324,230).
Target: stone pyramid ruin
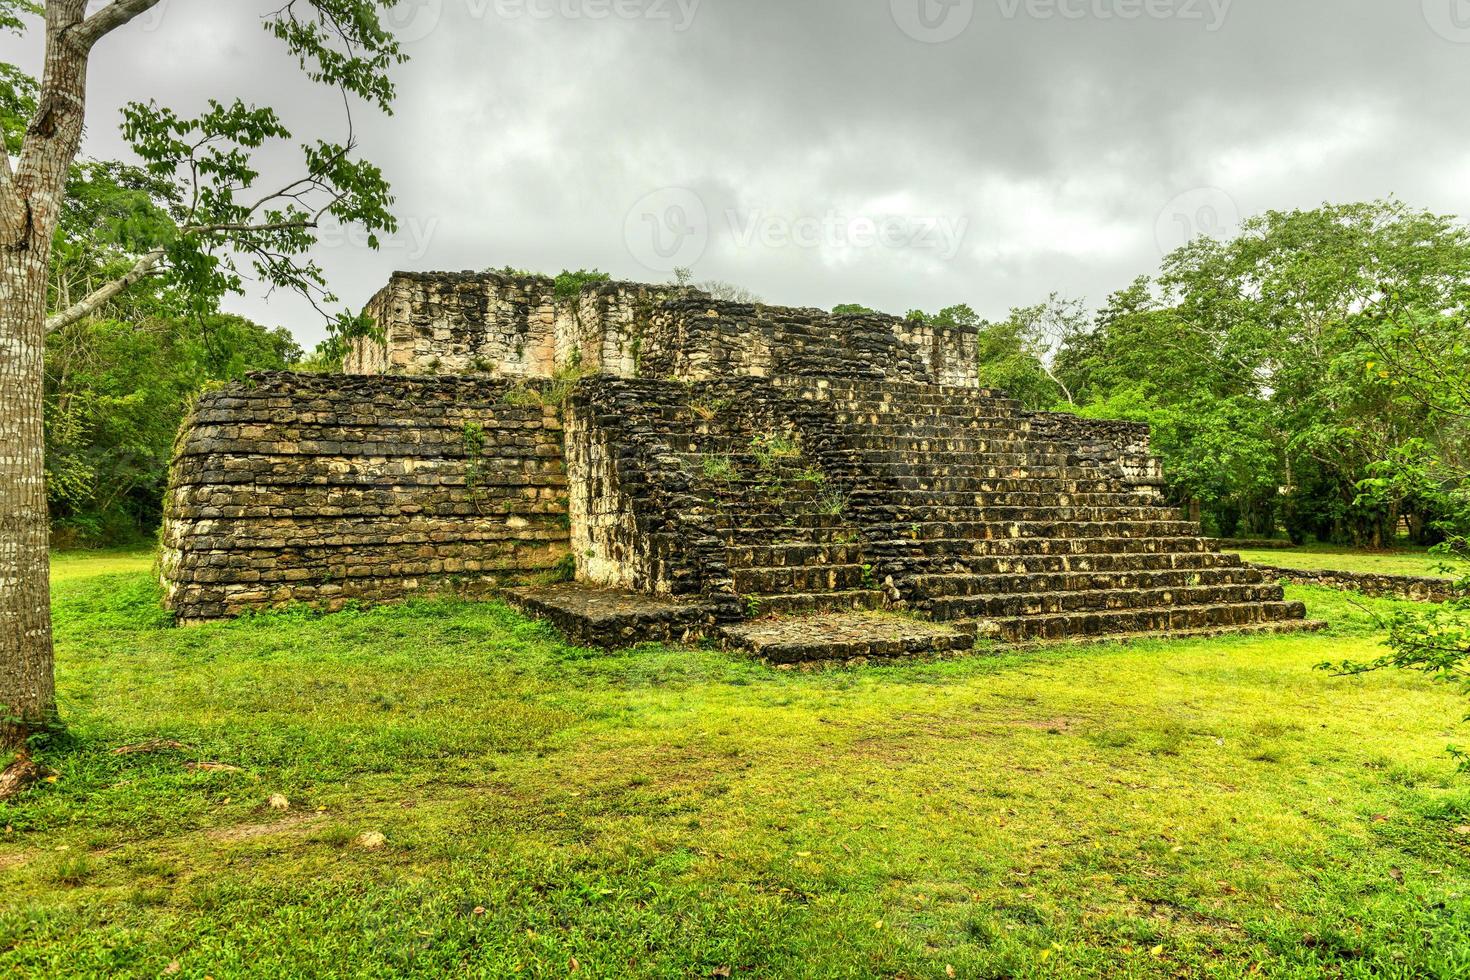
(648,463)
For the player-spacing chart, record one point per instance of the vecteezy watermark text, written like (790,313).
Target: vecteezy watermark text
(414,20)
(941,234)
(937,21)
(672,228)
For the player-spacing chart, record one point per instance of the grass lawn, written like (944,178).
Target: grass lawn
(1314,557)
(1159,810)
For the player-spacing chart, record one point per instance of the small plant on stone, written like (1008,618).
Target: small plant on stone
(522,396)
(718,468)
(708,408)
(772,448)
(473,437)
(564,380)
(869,581)
(812,477)
(833,503)
(752,608)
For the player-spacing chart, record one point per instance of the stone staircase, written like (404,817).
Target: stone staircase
(922,516)
(977,517)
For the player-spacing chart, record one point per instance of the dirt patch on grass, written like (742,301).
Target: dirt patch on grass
(250,831)
(8,861)
(1043,724)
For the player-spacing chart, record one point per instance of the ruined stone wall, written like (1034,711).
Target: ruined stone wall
(488,324)
(951,354)
(1415,588)
(291,488)
(697,339)
(460,324)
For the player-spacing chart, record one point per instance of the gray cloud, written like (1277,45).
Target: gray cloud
(1056,132)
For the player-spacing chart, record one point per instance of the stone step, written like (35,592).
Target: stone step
(1016,567)
(967,445)
(972,513)
(931,467)
(915,479)
(895,416)
(987,531)
(967,548)
(845,636)
(950,608)
(763,519)
(612,618)
(983,498)
(1169,619)
(758,580)
(802,603)
(946,585)
(793,554)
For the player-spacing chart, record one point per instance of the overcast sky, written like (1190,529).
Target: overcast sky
(897,153)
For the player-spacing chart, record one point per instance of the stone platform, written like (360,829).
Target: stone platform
(846,636)
(614,618)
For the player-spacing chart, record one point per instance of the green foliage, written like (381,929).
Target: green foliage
(119,383)
(116,393)
(1258,362)
(852,309)
(718,468)
(772,448)
(569,285)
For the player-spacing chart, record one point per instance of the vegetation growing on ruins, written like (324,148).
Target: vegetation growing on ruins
(1194,807)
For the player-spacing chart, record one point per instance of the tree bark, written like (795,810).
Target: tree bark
(30,207)
(27,688)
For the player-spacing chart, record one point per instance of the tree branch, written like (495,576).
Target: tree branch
(145,266)
(148,263)
(110,18)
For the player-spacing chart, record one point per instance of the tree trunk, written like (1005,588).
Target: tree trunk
(30,209)
(27,687)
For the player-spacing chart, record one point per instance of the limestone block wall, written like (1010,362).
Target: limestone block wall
(504,326)
(290,488)
(950,353)
(460,324)
(488,324)
(697,339)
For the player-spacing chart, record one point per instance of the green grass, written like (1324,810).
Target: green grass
(67,566)
(1156,810)
(1315,557)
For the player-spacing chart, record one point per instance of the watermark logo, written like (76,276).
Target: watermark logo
(1450,19)
(668,229)
(834,231)
(412,239)
(672,228)
(1207,211)
(933,21)
(1210,13)
(413,20)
